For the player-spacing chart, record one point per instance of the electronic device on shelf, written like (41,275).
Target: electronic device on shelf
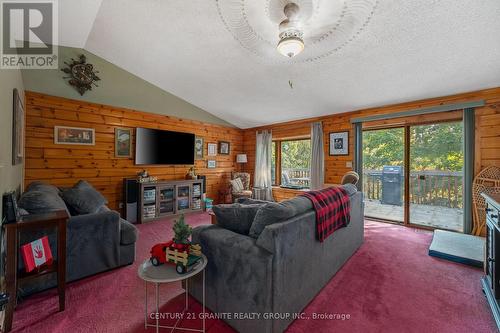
(10,211)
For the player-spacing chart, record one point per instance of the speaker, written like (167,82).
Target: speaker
(131,198)
(204,178)
(10,211)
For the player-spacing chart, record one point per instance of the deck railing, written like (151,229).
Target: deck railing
(434,187)
(297,176)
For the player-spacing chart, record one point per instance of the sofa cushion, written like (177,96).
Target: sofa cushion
(83,198)
(103,209)
(273,212)
(37,202)
(250,201)
(236,217)
(128,232)
(44,187)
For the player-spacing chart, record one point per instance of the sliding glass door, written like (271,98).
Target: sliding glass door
(414,174)
(383,173)
(436,176)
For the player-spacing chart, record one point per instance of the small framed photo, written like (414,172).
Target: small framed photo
(198,148)
(212,149)
(211,164)
(74,136)
(339,143)
(123,142)
(224,147)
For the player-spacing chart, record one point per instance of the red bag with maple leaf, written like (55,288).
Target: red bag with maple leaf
(36,253)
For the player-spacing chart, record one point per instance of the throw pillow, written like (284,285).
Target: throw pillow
(41,186)
(237,185)
(83,198)
(236,217)
(273,212)
(38,202)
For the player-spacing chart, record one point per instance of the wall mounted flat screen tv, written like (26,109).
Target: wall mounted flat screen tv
(163,147)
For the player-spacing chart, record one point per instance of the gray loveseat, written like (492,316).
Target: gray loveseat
(280,271)
(95,242)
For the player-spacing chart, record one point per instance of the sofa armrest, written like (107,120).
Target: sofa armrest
(238,273)
(93,243)
(214,237)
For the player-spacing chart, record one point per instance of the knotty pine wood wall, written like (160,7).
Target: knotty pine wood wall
(64,165)
(487,140)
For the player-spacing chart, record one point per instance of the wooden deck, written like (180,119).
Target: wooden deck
(427,215)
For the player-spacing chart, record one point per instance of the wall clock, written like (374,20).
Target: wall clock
(82,74)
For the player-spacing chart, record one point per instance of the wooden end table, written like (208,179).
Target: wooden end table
(12,276)
(213,218)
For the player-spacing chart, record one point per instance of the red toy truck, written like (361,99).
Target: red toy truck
(182,256)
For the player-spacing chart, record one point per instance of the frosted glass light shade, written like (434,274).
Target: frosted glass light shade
(290,46)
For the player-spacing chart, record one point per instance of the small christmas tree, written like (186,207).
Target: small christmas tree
(182,231)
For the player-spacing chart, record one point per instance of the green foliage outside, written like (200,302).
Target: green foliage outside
(182,231)
(296,154)
(433,147)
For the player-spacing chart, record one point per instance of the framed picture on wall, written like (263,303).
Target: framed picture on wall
(224,147)
(198,148)
(339,143)
(211,164)
(17,129)
(123,142)
(212,149)
(74,136)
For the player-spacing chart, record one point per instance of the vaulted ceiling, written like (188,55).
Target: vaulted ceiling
(220,54)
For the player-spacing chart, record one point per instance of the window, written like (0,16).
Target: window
(273,163)
(291,163)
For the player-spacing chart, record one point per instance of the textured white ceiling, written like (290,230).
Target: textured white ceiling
(76,18)
(409,50)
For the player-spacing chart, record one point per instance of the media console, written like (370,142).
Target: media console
(491,280)
(165,198)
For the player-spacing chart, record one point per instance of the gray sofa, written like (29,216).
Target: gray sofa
(95,242)
(280,271)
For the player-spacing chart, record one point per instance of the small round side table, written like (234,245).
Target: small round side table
(166,274)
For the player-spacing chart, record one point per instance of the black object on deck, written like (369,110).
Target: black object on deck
(392,177)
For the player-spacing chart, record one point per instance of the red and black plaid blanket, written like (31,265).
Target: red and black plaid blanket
(333,210)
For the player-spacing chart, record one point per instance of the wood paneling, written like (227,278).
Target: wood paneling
(281,194)
(487,141)
(63,165)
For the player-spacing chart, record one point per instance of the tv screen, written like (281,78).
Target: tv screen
(163,147)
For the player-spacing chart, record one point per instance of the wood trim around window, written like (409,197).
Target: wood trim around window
(277,153)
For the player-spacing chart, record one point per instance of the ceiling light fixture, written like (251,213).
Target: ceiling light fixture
(291,42)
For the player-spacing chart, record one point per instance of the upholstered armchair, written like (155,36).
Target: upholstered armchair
(240,185)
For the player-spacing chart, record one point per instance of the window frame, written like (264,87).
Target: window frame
(277,153)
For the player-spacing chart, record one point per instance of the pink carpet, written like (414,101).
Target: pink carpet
(389,285)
